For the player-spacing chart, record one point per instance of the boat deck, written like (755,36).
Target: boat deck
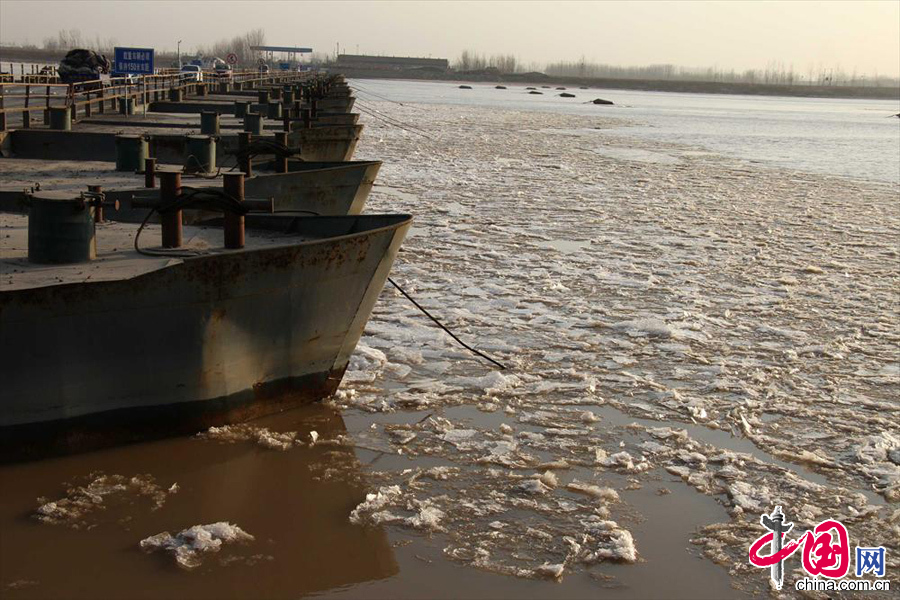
(17,174)
(154,124)
(116,256)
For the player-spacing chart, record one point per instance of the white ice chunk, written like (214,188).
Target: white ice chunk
(190,544)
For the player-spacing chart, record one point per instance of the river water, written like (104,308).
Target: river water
(694,332)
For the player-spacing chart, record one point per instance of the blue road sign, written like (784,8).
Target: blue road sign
(284,66)
(134,61)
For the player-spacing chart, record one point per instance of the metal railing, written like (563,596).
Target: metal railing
(20,99)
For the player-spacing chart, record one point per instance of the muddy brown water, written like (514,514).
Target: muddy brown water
(296,505)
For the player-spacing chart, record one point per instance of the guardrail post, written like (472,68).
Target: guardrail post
(102,106)
(234,224)
(169,189)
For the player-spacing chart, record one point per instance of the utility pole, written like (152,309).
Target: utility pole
(179,54)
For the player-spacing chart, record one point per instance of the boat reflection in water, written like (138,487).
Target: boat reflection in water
(295,503)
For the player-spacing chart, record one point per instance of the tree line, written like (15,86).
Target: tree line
(775,73)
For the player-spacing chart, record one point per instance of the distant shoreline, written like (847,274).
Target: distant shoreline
(13,54)
(685,87)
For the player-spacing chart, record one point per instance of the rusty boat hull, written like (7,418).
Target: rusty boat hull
(197,342)
(323,188)
(331,143)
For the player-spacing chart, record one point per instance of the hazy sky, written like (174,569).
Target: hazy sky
(739,35)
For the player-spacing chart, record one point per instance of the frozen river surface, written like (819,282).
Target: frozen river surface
(666,311)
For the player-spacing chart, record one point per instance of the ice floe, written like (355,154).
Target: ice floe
(189,545)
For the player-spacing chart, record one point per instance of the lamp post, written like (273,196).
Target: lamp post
(179,54)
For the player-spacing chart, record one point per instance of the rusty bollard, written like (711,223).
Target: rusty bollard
(169,189)
(149,172)
(281,160)
(244,139)
(234,224)
(98,209)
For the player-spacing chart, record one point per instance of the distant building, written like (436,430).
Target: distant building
(390,63)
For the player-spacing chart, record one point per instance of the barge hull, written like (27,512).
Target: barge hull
(327,143)
(141,424)
(195,343)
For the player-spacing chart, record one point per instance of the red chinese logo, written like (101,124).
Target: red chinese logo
(826,550)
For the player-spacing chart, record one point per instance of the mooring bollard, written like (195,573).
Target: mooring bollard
(131,150)
(245,163)
(274,110)
(281,160)
(253,123)
(240,109)
(263,96)
(200,153)
(98,209)
(126,106)
(175,95)
(169,189)
(287,96)
(59,118)
(234,223)
(209,122)
(149,172)
(61,228)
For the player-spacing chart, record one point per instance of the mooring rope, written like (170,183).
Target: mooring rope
(360,88)
(392,121)
(501,366)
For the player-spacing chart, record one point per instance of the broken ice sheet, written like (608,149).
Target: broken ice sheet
(374,510)
(695,282)
(79,507)
(189,545)
(262,436)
